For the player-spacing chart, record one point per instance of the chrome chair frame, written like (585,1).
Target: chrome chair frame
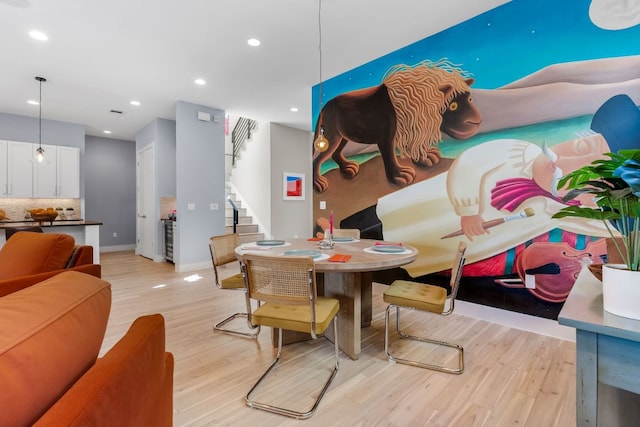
(456,274)
(228,242)
(247,265)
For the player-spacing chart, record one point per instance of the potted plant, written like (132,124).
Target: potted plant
(615,186)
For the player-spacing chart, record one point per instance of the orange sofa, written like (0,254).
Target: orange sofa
(28,258)
(50,374)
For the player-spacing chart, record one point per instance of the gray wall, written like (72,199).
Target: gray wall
(166,158)
(110,184)
(290,152)
(163,133)
(200,180)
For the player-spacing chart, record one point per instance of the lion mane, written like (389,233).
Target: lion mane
(419,103)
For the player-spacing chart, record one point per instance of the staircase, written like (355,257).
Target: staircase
(247,231)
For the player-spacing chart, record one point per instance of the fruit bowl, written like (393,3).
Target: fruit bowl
(44,217)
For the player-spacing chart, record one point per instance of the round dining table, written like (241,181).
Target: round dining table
(349,281)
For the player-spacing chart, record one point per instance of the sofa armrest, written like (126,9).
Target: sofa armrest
(131,385)
(8,286)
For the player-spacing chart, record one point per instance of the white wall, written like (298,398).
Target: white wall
(250,178)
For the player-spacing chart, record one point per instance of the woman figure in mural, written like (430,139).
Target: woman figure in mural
(498,179)
(407,114)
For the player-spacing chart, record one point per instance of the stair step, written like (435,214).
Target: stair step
(242,228)
(242,220)
(250,237)
(228,212)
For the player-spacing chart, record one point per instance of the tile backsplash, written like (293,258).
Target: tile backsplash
(15,209)
(167,204)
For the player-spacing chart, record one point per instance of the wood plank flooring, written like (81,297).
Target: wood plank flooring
(511,377)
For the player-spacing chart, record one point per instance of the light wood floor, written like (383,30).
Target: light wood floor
(511,377)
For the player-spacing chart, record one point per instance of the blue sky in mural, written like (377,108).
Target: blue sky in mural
(502,45)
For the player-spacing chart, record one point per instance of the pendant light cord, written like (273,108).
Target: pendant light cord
(40,150)
(40,115)
(321,143)
(320,51)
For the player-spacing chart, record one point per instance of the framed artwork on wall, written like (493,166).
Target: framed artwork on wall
(292,186)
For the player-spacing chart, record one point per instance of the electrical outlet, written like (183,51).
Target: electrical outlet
(323,204)
(115,234)
(191,206)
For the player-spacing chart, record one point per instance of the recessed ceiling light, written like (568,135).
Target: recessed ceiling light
(293,109)
(107,131)
(32,102)
(200,82)
(134,102)
(253,42)
(38,35)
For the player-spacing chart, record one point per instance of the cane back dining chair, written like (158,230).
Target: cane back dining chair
(222,250)
(287,288)
(404,294)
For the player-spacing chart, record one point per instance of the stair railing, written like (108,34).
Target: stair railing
(235,214)
(240,134)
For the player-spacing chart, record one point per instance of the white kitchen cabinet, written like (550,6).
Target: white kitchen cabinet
(59,174)
(16,178)
(68,177)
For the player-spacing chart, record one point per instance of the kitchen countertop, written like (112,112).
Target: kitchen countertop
(59,223)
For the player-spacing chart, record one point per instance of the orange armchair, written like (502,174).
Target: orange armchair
(51,334)
(28,258)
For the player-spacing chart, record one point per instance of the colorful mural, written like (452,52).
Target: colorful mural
(529,91)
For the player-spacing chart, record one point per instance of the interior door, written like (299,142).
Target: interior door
(146,221)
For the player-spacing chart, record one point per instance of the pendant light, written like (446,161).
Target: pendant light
(40,150)
(321,143)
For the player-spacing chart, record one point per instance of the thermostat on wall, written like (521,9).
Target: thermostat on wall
(205,117)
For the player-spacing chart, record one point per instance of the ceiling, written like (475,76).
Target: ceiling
(102,54)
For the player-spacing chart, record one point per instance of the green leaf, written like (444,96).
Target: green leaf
(584,212)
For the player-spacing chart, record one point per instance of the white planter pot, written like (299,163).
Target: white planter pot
(621,291)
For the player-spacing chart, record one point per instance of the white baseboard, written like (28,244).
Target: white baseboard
(117,248)
(512,319)
(181,268)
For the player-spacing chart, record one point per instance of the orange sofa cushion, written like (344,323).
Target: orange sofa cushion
(50,335)
(131,385)
(30,253)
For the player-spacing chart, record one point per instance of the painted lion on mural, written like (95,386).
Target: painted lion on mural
(405,114)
